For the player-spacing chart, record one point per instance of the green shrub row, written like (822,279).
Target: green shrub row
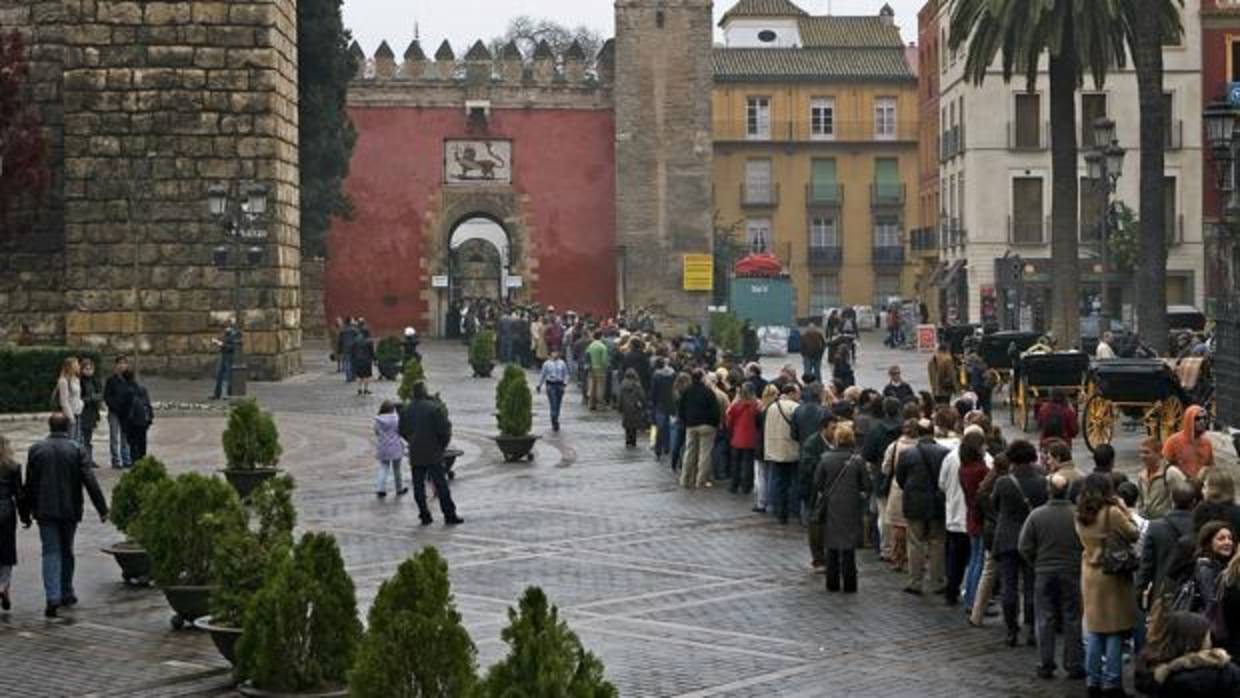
(29,375)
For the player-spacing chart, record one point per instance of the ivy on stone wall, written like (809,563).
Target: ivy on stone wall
(327,135)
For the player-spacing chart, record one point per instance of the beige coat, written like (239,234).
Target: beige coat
(778,444)
(1109,601)
(895,498)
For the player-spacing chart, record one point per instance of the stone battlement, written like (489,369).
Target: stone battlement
(509,79)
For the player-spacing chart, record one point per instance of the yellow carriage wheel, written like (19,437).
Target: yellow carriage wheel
(1100,417)
(1170,416)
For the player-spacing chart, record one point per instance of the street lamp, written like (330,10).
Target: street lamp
(1104,165)
(240,213)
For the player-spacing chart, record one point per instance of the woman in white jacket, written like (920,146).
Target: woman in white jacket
(69,396)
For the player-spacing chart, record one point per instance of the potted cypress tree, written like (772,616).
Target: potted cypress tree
(181,522)
(251,446)
(482,353)
(415,643)
(411,373)
(127,499)
(244,557)
(388,354)
(545,657)
(514,415)
(301,630)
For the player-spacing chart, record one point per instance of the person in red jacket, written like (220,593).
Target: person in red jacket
(1057,419)
(742,423)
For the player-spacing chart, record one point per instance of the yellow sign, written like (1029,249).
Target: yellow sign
(699,272)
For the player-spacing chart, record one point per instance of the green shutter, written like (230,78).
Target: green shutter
(887,178)
(824,181)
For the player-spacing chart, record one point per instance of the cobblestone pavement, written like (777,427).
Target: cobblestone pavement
(681,593)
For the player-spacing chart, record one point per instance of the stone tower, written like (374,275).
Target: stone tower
(663,151)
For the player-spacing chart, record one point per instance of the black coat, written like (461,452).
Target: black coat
(425,427)
(92,397)
(12,507)
(1202,674)
(1011,509)
(845,503)
(114,392)
(639,361)
(1162,547)
(699,407)
(917,471)
(57,470)
(661,391)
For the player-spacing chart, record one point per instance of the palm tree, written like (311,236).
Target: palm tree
(1147,24)
(1077,36)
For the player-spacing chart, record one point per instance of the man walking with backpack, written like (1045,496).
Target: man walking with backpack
(137,414)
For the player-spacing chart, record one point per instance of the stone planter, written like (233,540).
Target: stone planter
(516,448)
(188,603)
(224,637)
(247,690)
(246,480)
(483,370)
(134,562)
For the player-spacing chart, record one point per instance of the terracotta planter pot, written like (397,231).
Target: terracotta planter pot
(516,448)
(134,562)
(246,481)
(188,603)
(224,636)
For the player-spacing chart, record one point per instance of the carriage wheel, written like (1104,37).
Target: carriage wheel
(1170,414)
(996,379)
(1100,419)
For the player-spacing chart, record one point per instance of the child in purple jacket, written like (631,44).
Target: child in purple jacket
(389,449)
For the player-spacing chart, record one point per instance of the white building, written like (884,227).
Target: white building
(995,179)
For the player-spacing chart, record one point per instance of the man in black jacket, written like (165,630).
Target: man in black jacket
(664,402)
(114,393)
(425,427)
(699,417)
(1015,496)
(917,471)
(1168,544)
(56,471)
(1049,543)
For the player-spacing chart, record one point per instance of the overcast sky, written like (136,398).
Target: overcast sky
(463,21)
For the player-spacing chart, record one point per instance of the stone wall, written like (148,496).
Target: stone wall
(162,100)
(313,314)
(663,150)
(32,239)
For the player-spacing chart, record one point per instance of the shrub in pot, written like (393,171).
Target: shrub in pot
(514,406)
(134,485)
(415,644)
(482,353)
(179,525)
(388,354)
(244,558)
(301,629)
(410,374)
(545,657)
(251,446)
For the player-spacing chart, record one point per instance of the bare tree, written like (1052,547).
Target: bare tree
(528,32)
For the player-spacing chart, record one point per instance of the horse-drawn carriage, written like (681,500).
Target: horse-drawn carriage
(1037,376)
(1146,391)
(999,350)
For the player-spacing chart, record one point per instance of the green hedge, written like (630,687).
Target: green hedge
(29,375)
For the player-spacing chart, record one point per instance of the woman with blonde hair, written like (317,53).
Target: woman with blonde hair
(897,524)
(762,474)
(69,396)
(12,507)
(1218,500)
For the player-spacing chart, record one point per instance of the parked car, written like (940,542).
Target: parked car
(866,318)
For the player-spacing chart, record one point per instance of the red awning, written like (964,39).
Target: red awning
(759,265)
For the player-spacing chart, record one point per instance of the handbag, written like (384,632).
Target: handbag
(1118,557)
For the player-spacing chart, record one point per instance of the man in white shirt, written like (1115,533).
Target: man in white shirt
(957,542)
(1105,351)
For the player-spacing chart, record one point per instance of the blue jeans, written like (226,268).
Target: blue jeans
(117,444)
(678,442)
(57,539)
(348,369)
(1104,660)
(973,573)
(663,436)
(782,477)
(812,367)
(223,375)
(555,396)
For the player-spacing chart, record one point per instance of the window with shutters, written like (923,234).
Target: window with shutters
(1093,107)
(758,118)
(1093,196)
(1027,210)
(887,231)
(824,292)
(885,286)
(823,231)
(758,234)
(885,118)
(758,189)
(1169,207)
(1028,126)
(824,188)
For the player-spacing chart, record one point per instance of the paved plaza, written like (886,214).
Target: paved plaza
(680,593)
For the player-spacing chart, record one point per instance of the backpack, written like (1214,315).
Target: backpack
(141,413)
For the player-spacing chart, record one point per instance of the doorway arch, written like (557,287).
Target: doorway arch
(479,258)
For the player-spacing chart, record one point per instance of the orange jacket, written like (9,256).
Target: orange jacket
(1187,451)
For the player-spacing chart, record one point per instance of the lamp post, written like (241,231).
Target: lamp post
(1221,120)
(239,211)
(1104,165)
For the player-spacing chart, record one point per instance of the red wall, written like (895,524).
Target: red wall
(564,161)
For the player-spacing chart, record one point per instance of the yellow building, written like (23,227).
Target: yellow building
(815,149)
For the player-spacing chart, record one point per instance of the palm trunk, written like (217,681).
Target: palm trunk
(1151,277)
(1065,261)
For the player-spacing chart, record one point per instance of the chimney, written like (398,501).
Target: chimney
(887,15)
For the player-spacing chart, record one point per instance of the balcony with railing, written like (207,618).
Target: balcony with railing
(924,239)
(735,130)
(825,256)
(887,194)
(824,195)
(885,255)
(1027,231)
(759,197)
(1032,138)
